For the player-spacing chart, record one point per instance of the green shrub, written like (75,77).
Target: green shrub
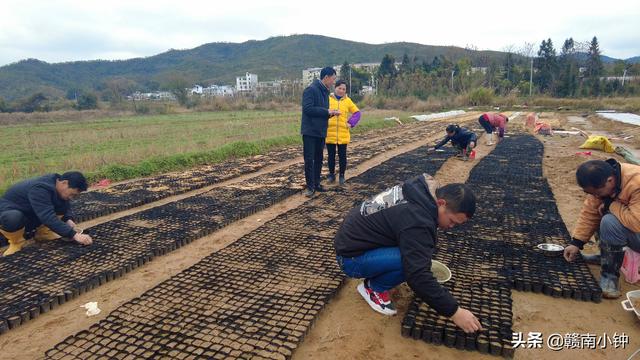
(480,97)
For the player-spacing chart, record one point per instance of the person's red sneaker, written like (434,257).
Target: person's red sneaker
(379,301)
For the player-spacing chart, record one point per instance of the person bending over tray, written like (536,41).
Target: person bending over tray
(391,238)
(492,122)
(462,139)
(612,208)
(41,204)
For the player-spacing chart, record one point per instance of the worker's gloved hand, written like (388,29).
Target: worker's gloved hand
(83,239)
(71,223)
(431,149)
(465,320)
(571,252)
(472,145)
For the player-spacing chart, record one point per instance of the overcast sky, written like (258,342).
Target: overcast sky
(56,31)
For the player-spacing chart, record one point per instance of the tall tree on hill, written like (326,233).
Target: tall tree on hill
(345,71)
(387,71)
(406,66)
(568,68)
(463,71)
(492,76)
(509,62)
(436,63)
(345,74)
(594,62)
(426,67)
(594,66)
(387,66)
(546,65)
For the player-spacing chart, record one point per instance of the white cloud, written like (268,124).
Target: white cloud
(78,30)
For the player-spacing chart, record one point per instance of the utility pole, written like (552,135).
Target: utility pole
(623,76)
(531,78)
(349,80)
(452,71)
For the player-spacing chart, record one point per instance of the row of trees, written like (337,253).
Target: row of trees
(42,102)
(113,91)
(577,71)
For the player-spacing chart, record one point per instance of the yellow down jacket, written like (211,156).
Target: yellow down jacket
(338,131)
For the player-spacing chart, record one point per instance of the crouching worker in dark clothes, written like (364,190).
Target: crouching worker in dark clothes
(391,239)
(41,204)
(462,139)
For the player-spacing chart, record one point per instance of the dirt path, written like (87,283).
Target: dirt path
(349,329)
(33,338)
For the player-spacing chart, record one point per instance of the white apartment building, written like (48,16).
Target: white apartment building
(218,91)
(310,74)
(247,83)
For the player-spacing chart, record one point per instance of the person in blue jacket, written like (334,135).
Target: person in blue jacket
(315,119)
(461,138)
(41,204)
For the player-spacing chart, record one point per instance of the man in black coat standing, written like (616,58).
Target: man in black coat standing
(315,118)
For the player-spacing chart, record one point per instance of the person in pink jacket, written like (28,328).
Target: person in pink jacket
(492,122)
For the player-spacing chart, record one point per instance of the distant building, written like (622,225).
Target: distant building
(197,89)
(247,83)
(370,68)
(274,88)
(156,95)
(163,95)
(218,91)
(367,90)
(310,74)
(482,70)
(619,78)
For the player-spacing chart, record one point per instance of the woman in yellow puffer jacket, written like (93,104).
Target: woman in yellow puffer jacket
(338,131)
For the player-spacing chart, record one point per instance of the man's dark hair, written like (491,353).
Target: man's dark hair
(452,128)
(328,71)
(341,82)
(593,173)
(76,180)
(459,198)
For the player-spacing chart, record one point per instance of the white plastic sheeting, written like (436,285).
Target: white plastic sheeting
(628,118)
(440,115)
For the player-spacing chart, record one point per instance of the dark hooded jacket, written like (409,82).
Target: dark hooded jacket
(406,217)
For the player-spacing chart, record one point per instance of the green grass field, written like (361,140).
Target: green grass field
(127,147)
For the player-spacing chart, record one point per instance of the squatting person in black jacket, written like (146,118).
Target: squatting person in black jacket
(315,119)
(391,239)
(41,204)
(462,139)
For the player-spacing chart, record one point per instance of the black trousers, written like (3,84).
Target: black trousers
(485,124)
(313,150)
(342,156)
